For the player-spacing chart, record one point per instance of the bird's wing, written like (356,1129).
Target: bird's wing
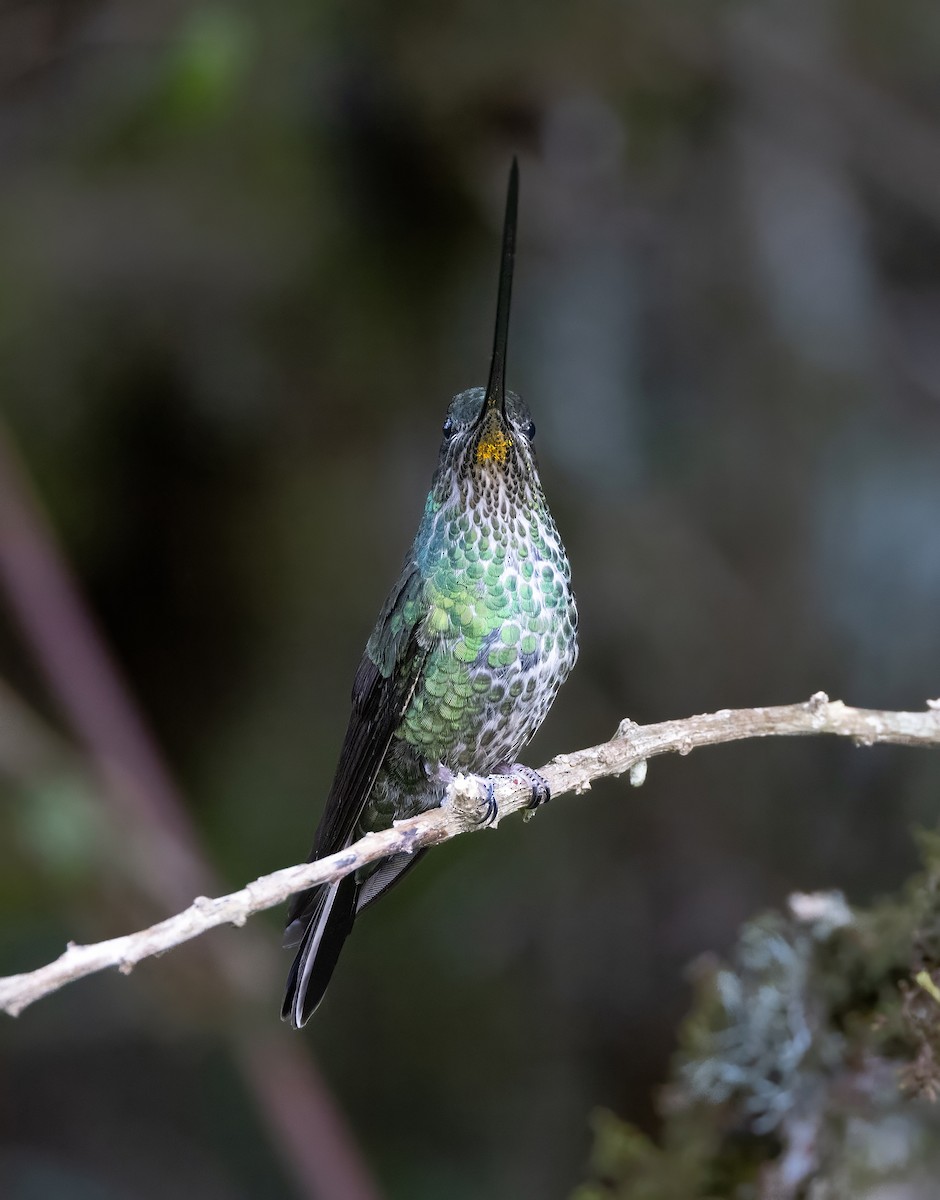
(384,684)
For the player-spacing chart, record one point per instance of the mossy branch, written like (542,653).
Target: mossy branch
(463,810)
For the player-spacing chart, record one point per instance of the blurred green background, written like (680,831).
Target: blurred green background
(247,254)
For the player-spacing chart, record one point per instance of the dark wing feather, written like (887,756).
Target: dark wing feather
(326,924)
(320,919)
(383,686)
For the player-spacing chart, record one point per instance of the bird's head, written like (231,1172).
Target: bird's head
(488,431)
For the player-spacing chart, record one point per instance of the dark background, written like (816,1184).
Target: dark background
(247,253)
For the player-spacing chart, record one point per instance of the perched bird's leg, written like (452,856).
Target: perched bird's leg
(477,789)
(541,792)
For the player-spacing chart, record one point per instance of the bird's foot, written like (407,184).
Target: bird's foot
(471,796)
(475,796)
(541,792)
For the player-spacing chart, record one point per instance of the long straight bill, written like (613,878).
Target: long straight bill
(496,387)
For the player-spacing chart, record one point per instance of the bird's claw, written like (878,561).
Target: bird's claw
(491,811)
(541,792)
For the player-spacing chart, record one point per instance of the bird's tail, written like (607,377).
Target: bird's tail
(319,926)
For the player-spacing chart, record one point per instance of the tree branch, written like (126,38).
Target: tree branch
(629,749)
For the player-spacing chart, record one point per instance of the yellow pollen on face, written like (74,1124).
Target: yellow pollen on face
(494,447)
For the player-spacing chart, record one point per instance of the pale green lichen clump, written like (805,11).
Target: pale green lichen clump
(806,1068)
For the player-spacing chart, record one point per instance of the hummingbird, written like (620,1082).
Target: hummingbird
(465,660)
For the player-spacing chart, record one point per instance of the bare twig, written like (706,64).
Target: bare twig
(628,750)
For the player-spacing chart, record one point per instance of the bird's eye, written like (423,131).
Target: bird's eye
(529,430)
(450,428)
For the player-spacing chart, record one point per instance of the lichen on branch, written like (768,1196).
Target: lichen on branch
(804,1065)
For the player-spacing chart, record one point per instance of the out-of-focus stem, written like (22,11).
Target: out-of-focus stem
(82,676)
